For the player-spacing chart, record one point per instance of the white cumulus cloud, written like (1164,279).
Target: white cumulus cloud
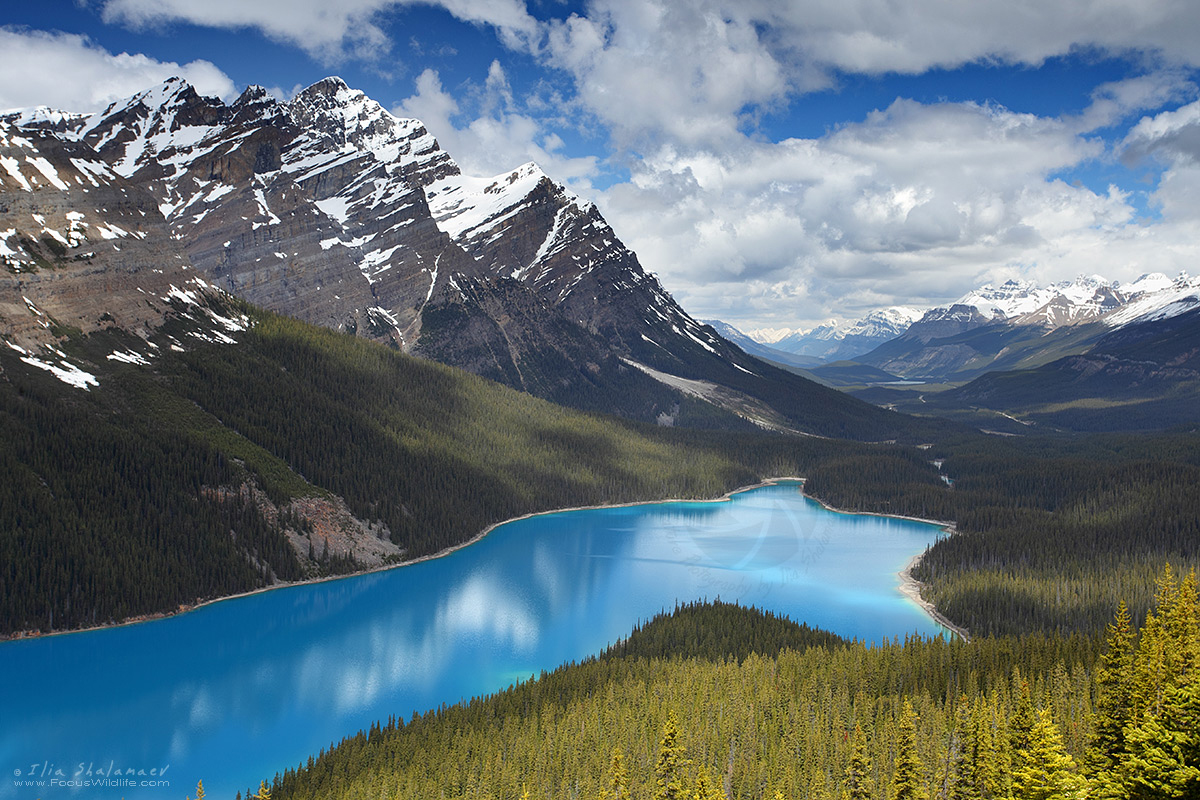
(328,31)
(916,203)
(68,72)
(495,135)
(699,71)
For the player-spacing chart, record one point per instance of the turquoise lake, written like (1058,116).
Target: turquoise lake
(237,690)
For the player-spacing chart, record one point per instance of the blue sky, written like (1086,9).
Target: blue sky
(776,163)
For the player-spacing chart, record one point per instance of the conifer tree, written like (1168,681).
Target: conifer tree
(858,772)
(988,760)
(1163,737)
(818,788)
(1157,658)
(908,781)
(705,789)
(1020,727)
(264,792)
(1043,769)
(956,778)
(616,784)
(1157,765)
(1108,748)
(668,785)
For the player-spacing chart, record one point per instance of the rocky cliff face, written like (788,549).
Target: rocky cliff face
(80,246)
(525,227)
(296,208)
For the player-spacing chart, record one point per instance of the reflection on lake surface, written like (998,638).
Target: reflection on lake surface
(235,691)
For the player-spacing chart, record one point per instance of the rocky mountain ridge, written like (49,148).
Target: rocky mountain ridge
(330,209)
(1085,299)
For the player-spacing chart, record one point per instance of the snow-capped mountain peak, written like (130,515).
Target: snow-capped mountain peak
(1166,298)
(480,213)
(1012,298)
(840,340)
(1024,302)
(152,127)
(467,206)
(1150,282)
(883,322)
(771,335)
(340,119)
(1086,298)
(64,123)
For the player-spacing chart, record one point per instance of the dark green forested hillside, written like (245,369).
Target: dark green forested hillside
(715,630)
(1052,533)
(1031,717)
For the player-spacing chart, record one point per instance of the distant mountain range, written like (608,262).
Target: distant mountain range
(1084,354)
(842,341)
(1087,354)
(764,351)
(838,374)
(1014,303)
(329,209)
(833,341)
(1139,375)
(1020,324)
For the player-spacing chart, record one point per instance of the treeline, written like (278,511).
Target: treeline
(1040,716)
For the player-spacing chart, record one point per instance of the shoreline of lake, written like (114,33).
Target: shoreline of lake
(909,586)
